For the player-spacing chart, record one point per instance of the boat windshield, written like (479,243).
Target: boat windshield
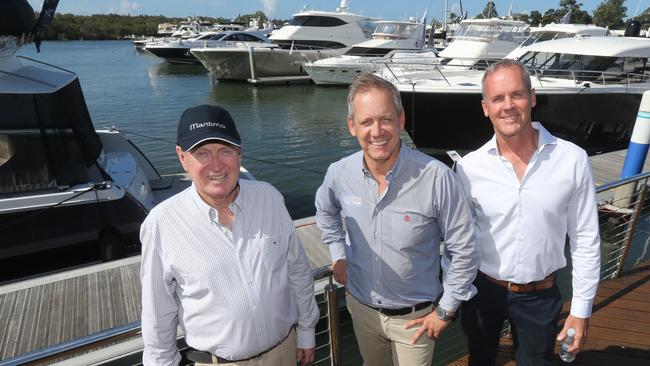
(505,32)
(545,36)
(565,65)
(397,31)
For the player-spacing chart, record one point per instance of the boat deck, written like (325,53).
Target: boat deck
(619,329)
(56,308)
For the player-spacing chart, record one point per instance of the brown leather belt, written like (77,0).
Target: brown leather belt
(544,284)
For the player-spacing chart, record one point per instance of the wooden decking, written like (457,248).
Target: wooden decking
(619,329)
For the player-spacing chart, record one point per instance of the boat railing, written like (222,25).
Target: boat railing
(624,219)
(586,77)
(406,69)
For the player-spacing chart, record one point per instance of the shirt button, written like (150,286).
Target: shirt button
(376,258)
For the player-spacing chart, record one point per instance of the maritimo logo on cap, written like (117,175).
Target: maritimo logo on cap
(196,125)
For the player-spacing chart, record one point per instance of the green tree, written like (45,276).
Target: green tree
(453,17)
(535,18)
(610,13)
(550,16)
(490,11)
(578,16)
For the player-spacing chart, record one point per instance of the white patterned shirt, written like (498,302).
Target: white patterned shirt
(521,227)
(234,295)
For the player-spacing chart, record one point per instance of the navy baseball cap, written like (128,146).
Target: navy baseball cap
(204,123)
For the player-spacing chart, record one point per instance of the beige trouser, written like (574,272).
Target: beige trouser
(284,354)
(383,340)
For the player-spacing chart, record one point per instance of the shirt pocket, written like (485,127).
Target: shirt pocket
(407,228)
(273,251)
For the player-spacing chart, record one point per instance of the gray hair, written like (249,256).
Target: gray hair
(507,63)
(363,83)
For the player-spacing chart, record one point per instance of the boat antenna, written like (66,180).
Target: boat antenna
(636,11)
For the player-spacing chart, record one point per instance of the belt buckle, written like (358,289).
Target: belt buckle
(509,286)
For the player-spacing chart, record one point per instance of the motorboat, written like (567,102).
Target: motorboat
(588,92)
(192,28)
(483,39)
(178,50)
(556,31)
(389,38)
(63,183)
(476,43)
(310,35)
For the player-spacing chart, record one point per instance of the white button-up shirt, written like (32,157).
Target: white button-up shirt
(521,227)
(235,293)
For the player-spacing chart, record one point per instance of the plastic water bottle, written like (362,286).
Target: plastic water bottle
(565,355)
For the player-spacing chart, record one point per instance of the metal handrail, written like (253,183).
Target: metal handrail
(133,329)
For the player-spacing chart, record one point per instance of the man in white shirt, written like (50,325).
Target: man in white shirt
(529,190)
(222,260)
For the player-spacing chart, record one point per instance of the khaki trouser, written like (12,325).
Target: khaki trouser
(383,340)
(284,354)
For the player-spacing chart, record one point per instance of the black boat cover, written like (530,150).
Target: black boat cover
(46,140)
(16,17)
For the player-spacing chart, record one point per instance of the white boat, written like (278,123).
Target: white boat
(475,44)
(556,31)
(389,38)
(588,91)
(176,50)
(309,36)
(483,39)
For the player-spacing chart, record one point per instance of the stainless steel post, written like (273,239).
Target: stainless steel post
(629,236)
(333,318)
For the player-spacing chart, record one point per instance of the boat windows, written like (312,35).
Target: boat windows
(308,45)
(504,32)
(316,21)
(367,27)
(367,51)
(397,31)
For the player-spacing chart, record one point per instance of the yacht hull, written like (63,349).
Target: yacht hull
(336,74)
(234,63)
(175,55)
(598,122)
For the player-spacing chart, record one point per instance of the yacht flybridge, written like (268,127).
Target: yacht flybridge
(588,91)
(389,40)
(310,35)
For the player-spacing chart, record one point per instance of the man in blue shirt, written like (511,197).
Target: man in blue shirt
(383,212)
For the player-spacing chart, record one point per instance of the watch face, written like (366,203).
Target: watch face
(442,314)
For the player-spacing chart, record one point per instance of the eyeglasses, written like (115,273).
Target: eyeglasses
(224,154)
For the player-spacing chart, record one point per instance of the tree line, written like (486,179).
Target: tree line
(610,13)
(114,26)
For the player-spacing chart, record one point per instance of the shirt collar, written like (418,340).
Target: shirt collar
(210,212)
(395,169)
(544,138)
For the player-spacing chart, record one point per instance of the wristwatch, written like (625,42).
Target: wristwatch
(445,315)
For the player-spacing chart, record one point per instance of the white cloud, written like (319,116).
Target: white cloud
(269,7)
(125,7)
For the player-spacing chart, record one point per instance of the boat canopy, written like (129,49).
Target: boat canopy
(508,30)
(47,139)
(595,46)
(397,30)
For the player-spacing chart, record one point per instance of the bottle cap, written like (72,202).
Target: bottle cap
(570,332)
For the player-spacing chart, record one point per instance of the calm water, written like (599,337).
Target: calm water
(300,127)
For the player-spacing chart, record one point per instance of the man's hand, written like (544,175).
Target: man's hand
(580,325)
(305,355)
(340,271)
(430,324)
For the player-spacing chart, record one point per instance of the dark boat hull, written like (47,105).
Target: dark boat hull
(175,55)
(597,122)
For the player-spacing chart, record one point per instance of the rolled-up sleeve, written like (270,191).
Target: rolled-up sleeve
(159,306)
(457,226)
(584,238)
(328,217)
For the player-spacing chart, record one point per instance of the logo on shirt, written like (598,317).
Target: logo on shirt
(407,218)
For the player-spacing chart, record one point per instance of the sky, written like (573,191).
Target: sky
(282,9)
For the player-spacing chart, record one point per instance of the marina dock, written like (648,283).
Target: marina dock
(61,307)
(619,329)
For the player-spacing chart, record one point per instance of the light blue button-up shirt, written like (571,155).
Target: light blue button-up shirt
(392,241)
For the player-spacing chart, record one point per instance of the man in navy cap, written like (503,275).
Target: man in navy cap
(222,260)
